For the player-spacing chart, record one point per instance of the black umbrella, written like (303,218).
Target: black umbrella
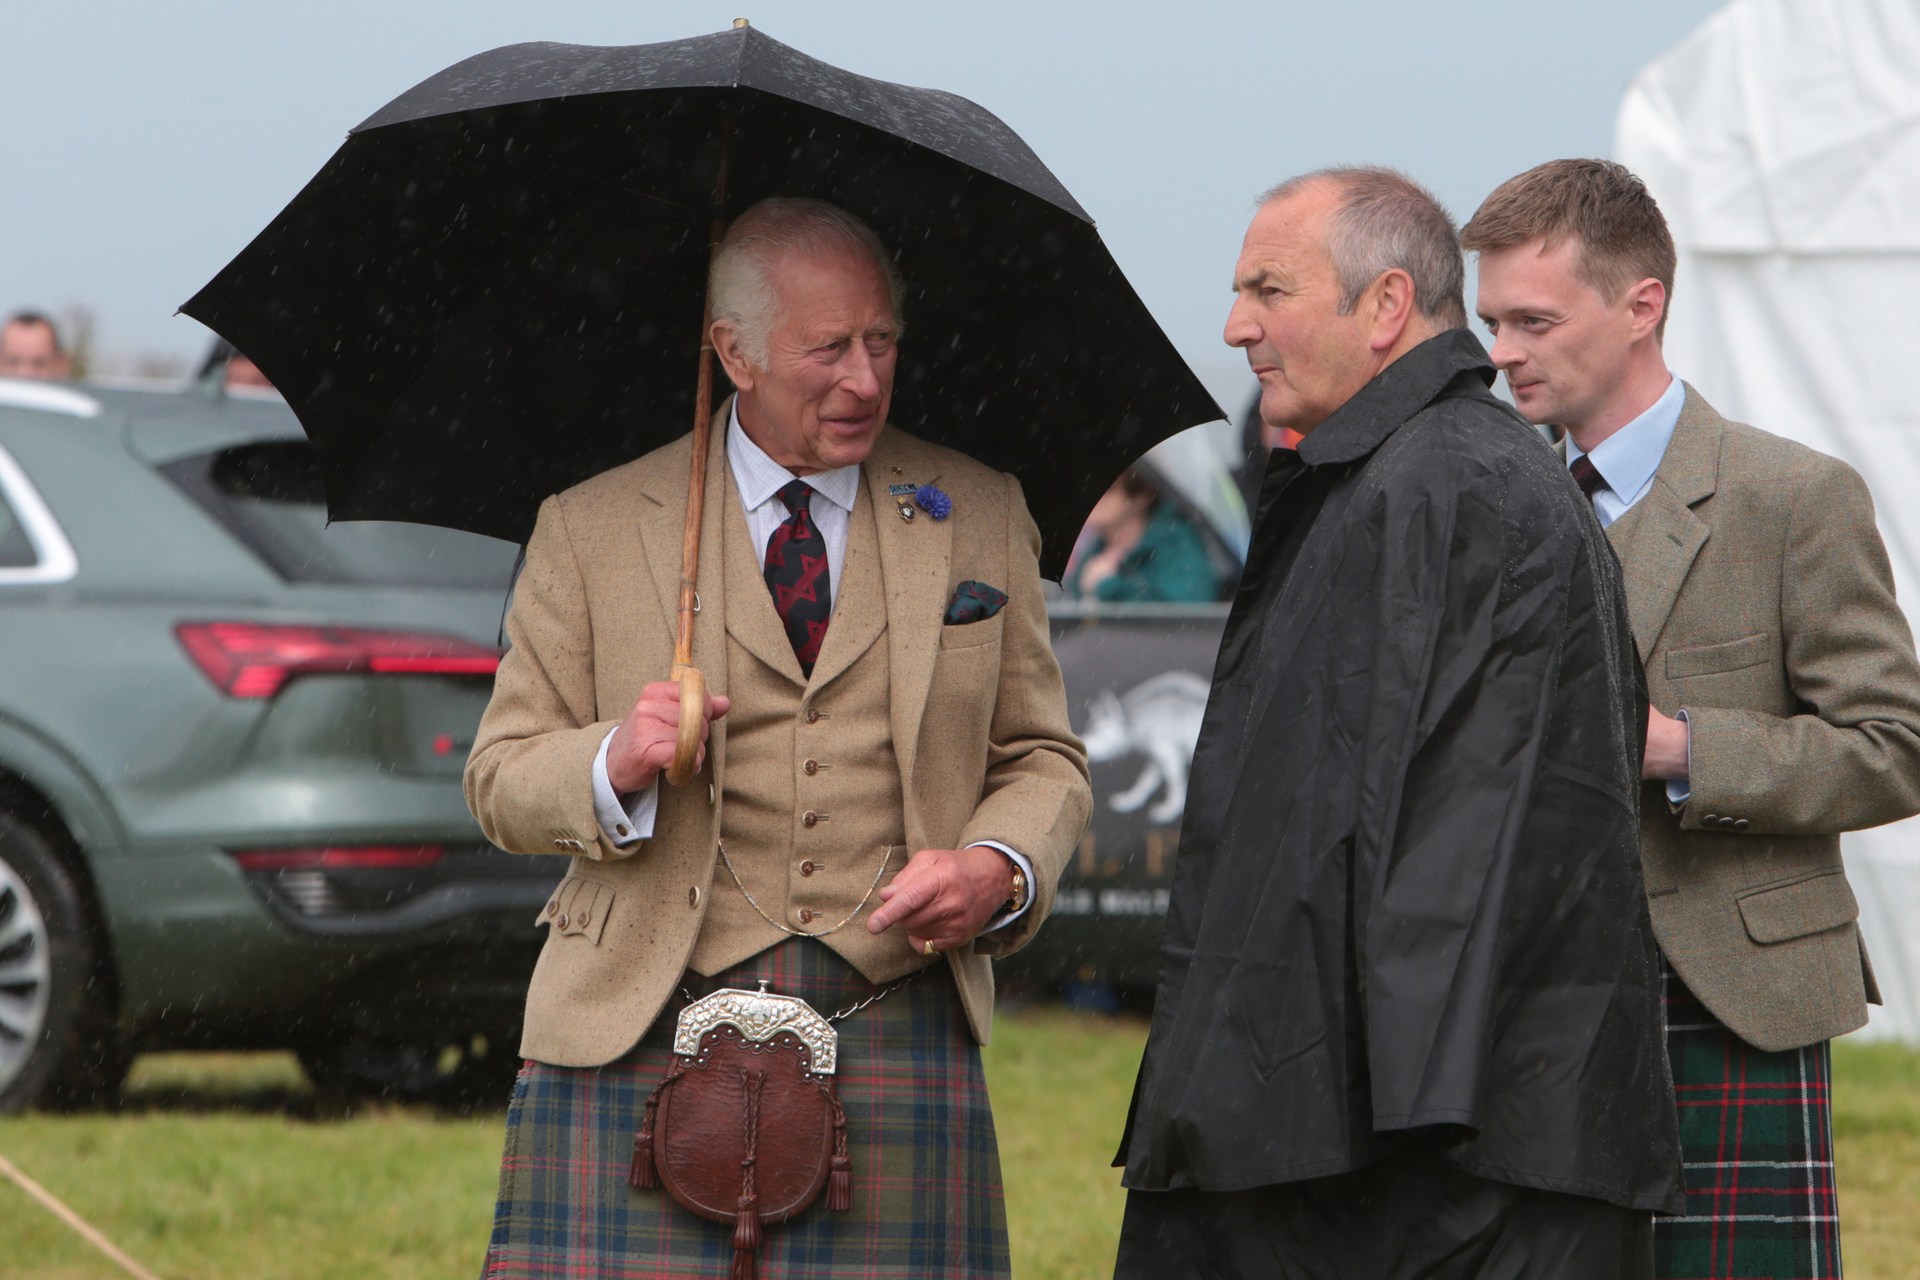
(494,288)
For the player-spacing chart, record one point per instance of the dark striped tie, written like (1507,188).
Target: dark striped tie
(1587,476)
(796,571)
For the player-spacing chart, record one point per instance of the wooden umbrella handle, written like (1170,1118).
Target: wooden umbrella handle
(693,715)
(693,685)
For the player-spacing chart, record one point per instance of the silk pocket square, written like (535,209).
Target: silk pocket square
(973,602)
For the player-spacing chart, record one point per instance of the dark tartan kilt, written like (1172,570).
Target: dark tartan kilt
(926,1169)
(1756,1136)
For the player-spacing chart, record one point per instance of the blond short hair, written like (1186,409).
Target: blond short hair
(1622,234)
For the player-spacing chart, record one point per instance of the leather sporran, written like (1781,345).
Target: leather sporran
(745,1127)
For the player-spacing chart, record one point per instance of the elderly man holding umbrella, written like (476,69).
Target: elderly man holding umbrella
(752,1031)
(895,786)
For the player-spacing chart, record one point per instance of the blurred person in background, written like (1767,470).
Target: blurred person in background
(30,348)
(227,368)
(1137,547)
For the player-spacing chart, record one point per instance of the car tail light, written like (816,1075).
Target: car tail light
(357,857)
(255,660)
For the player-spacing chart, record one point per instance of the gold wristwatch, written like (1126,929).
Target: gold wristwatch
(1019,898)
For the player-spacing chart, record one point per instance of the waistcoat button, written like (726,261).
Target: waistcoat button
(693,896)
(806,915)
(806,868)
(813,715)
(812,767)
(810,819)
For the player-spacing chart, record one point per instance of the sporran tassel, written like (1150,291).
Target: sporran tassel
(641,1173)
(840,1180)
(746,1240)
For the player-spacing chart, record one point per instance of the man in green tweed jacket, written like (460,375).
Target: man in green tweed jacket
(1786,703)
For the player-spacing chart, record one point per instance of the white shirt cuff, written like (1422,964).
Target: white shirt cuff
(1679,790)
(628,823)
(1026,869)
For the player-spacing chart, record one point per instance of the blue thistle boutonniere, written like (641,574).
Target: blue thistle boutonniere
(932,501)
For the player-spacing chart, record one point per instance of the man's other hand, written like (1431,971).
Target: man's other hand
(945,896)
(642,746)
(1666,757)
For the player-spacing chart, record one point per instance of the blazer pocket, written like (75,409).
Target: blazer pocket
(967,635)
(1782,912)
(578,909)
(1712,659)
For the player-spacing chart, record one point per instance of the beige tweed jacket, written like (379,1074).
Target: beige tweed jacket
(978,718)
(1762,604)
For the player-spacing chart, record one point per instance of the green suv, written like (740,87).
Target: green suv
(230,747)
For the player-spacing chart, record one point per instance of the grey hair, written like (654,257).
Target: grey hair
(740,285)
(1387,220)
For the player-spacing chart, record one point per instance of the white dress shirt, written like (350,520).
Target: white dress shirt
(759,479)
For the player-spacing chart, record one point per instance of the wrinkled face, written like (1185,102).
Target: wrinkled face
(1309,358)
(1563,347)
(30,351)
(822,399)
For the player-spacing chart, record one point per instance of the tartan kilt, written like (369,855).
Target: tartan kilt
(1756,1140)
(926,1168)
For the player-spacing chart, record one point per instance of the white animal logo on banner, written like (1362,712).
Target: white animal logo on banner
(1158,718)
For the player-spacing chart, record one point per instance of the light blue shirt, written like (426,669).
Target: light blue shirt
(1626,460)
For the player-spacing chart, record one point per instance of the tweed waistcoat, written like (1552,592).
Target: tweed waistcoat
(824,826)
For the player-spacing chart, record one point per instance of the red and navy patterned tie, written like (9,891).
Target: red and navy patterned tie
(797,575)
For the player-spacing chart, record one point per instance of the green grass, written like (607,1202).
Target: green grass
(1876,1135)
(225,1166)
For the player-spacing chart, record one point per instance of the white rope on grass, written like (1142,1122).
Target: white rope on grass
(80,1225)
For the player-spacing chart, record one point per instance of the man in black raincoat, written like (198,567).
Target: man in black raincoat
(1408,1018)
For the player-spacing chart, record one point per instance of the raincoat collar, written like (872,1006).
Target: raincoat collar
(1396,393)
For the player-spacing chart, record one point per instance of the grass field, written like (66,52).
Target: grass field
(223,1167)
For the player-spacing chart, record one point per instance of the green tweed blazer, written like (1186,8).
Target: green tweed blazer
(1762,605)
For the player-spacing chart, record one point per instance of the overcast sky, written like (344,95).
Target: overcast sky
(144,143)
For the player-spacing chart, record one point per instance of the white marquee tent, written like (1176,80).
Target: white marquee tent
(1782,140)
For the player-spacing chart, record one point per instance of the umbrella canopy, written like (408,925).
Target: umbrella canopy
(494,289)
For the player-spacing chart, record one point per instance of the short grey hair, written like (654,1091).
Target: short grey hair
(1385,220)
(740,286)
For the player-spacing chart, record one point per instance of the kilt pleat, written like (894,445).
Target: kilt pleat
(926,1168)
(1756,1139)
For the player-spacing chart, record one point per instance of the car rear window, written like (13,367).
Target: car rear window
(268,494)
(16,549)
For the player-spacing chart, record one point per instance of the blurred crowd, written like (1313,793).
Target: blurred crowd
(31,347)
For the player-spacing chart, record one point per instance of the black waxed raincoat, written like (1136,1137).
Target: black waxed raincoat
(1408,906)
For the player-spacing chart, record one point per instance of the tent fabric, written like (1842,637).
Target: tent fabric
(1782,140)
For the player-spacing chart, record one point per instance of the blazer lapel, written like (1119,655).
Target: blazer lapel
(915,559)
(1659,538)
(859,611)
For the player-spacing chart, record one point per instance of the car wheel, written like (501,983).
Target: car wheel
(469,1074)
(55,1038)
